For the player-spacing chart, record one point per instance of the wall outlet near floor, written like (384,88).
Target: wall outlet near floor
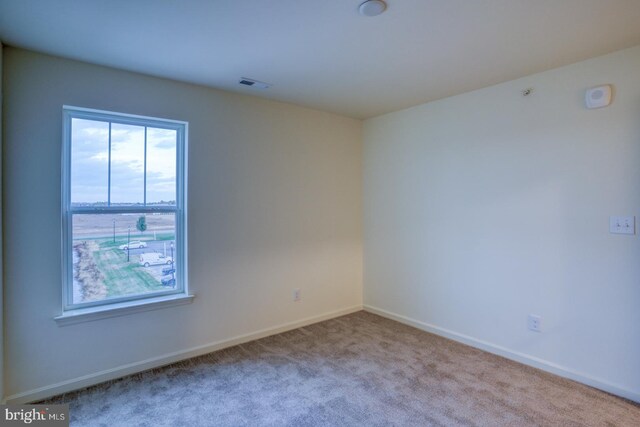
(535,323)
(296,295)
(622,224)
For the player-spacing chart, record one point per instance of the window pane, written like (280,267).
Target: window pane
(161,166)
(127,164)
(89,162)
(122,255)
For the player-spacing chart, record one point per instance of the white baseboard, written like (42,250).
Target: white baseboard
(525,359)
(165,359)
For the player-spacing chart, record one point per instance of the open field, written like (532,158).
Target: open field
(102,225)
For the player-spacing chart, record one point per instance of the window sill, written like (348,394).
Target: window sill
(95,313)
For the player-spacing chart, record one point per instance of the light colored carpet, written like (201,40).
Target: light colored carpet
(356,370)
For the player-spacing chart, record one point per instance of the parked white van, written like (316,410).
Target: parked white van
(154,258)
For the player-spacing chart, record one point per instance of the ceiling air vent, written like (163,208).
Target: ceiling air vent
(254,83)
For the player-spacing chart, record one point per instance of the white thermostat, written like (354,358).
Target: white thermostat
(598,97)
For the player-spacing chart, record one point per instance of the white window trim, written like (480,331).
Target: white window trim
(81,315)
(133,303)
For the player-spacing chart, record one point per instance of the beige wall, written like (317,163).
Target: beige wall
(482,208)
(274,204)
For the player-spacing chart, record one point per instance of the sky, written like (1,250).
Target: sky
(90,163)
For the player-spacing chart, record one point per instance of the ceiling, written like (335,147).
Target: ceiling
(323,54)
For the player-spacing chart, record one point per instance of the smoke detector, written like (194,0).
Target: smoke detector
(372,7)
(254,83)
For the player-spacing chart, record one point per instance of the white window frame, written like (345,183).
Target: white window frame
(69,309)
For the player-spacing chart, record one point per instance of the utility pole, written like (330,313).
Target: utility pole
(128,242)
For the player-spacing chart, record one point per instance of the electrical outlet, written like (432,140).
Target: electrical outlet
(622,224)
(535,323)
(296,295)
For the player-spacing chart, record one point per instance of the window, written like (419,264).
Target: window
(123,208)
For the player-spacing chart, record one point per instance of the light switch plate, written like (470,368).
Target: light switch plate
(622,224)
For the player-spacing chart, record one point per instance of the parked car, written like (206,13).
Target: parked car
(133,244)
(168,281)
(154,258)
(170,269)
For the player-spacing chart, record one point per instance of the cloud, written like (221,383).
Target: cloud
(90,163)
